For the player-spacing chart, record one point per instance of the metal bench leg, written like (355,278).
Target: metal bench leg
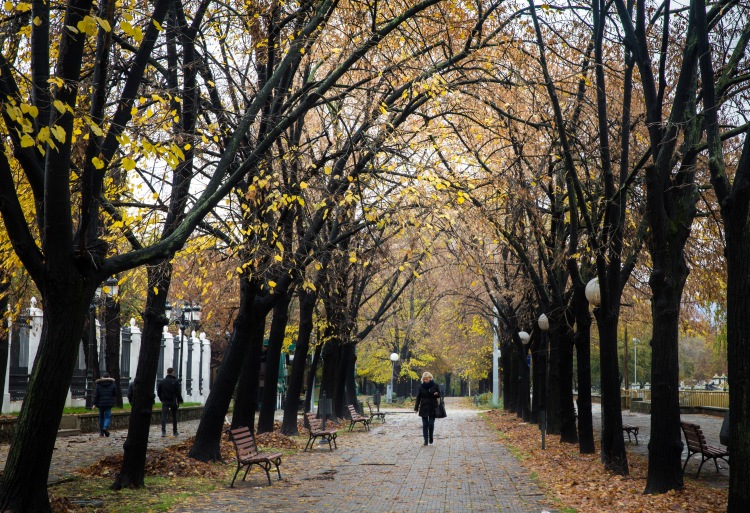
(231,485)
(686,460)
(704,460)
(277,463)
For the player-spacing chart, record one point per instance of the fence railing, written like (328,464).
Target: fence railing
(692,398)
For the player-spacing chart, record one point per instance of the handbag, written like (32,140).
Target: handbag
(440,410)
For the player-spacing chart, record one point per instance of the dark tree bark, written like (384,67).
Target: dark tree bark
(583,359)
(279,322)
(509,393)
(112,330)
(307,302)
(311,377)
(208,436)
(568,430)
(248,385)
(734,201)
(4,331)
(133,466)
(24,488)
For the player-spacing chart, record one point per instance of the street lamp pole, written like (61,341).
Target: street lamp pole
(92,346)
(394,358)
(635,361)
(90,362)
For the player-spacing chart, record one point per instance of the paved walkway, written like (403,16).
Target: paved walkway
(78,451)
(710,425)
(389,470)
(385,470)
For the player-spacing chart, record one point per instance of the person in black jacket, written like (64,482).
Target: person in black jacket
(170,396)
(104,399)
(426,405)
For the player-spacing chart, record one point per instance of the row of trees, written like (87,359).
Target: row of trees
(368,165)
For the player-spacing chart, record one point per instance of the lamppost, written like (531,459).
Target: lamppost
(188,316)
(92,346)
(394,358)
(106,302)
(544,326)
(635,361)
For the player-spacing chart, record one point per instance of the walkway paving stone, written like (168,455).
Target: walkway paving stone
(388,470)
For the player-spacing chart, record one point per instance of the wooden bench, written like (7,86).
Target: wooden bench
(355,417)
(629,428)
(696,443)
(248,455)
(316,430)
(375,414)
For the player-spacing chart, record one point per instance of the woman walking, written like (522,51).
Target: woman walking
(426,405)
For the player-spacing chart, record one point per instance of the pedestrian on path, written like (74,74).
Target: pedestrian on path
(170,397)
(104,399)
(426,405)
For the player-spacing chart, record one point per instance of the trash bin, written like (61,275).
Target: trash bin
(376,399)
(325,409)
(724,433)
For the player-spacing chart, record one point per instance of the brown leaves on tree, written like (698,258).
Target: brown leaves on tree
(580,480)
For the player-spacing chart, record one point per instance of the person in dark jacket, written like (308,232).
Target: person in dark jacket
(104,399)
(426,405)
(170,396)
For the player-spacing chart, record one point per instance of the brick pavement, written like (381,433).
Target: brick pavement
(389,470)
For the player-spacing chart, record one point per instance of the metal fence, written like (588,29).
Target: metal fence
(691,398)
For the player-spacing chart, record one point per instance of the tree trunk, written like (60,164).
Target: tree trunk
(306,307)
(513,380)
(614,456)
(273,358)
(112,337)
(330,364)
(132,470)
(311,378)
(568,431)
(339,389)
(4,331)
(537,364)
(248,385)
(665,447)
(738,356)
(24,486)
(524,406)
(350,375)
(553,393)
(207,438)
(583,359)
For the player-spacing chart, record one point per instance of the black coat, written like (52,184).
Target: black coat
(427,401)
(169,390)
(104,393)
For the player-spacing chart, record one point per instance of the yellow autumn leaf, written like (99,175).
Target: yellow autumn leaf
(26,141)
(156,291)
(60,106)
(98,163)
(128,164)
(271,283)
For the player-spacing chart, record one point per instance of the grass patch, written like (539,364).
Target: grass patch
(159,494)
